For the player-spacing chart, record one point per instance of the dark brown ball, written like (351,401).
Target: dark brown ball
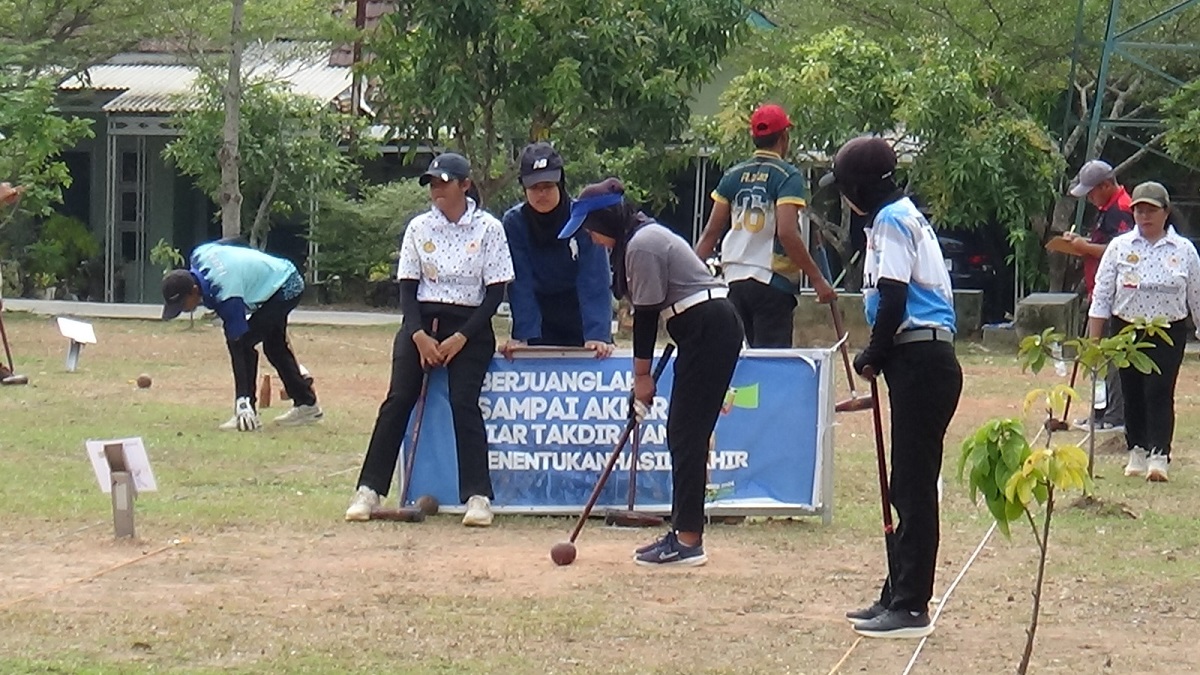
(144,381)
(563,553)
(428,504)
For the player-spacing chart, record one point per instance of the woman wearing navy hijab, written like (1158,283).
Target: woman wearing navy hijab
(558,296)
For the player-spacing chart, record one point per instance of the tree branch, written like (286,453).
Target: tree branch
(1141,152)
(264,208)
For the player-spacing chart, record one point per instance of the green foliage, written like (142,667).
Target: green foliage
(58,253)
(35,133)
(485,78)
(288,148)
(64,36)
(166,256)
(980,155)
(1122,350)
(1181,114)
(990,457)
(358,238)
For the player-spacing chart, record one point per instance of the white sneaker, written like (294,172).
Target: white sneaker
(479,512)
(365,501)
(1156,471)
(1137,462)
(232,424)
(299,415)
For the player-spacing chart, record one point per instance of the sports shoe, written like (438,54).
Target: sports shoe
(1137,462)
(232,424)
(1156,470)
(1102,426)
(365,500)
(299,415)
(671,552)
(652,545)
(896,623)
(866,613)
(479,512)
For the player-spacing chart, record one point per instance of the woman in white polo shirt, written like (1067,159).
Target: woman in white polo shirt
(662,277)
(1147,273)
(454,264)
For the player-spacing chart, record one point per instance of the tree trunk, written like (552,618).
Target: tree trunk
(231,191)
(1044,545)
(1060,264)
(259,230)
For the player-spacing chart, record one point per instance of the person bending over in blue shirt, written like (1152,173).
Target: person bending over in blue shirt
(253,293)
(560,293)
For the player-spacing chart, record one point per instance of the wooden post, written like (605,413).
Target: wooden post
(124,492)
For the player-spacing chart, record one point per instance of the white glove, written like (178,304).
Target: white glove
(247,418)
(639,410)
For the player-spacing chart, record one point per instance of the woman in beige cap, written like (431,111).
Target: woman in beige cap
(1147,273)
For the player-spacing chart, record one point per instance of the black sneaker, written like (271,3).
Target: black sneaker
(896,623)
(865,613)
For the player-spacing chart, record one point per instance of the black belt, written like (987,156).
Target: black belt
(923,335)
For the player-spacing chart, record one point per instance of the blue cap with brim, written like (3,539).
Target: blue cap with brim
(582,208)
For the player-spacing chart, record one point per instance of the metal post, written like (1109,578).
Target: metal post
(110,216)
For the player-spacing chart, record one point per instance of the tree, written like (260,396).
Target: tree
(485,77)
(1035,39)
(230,194)
(33,133)
(1013,478)
(65,36)
(214,37)
(977,155)
(288,149)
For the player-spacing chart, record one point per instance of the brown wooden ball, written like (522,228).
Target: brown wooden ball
(563,553)
(144,381)
(428,504)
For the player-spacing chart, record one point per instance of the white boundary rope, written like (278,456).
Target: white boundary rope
(949,592)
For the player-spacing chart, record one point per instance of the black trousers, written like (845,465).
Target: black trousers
(268,326)
(1150,398)
(562,322)
(465,374)
(709,338)
(924,383)
(766,313)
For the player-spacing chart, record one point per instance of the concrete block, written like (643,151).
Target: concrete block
(1001,338)
(1039,311)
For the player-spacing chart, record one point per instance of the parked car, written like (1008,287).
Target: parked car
(974,262)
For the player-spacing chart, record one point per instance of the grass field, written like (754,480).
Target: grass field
(244,563)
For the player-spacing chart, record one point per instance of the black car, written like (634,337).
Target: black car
(975,262)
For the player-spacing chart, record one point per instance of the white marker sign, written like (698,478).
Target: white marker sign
(136,460)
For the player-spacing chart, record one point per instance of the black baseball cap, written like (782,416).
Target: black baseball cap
(861,161)
(540,163)
(176,286)
(448,166)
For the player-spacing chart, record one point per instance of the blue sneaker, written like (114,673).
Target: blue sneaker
(671,552)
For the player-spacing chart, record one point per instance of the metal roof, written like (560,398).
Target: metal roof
(156,87)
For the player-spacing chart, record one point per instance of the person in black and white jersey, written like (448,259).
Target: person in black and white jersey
(910,306)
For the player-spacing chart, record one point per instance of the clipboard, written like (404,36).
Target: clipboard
(1060,245)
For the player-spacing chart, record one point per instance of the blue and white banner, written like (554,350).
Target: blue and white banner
(554,417)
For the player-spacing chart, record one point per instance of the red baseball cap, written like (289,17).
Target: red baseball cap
(769,119)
